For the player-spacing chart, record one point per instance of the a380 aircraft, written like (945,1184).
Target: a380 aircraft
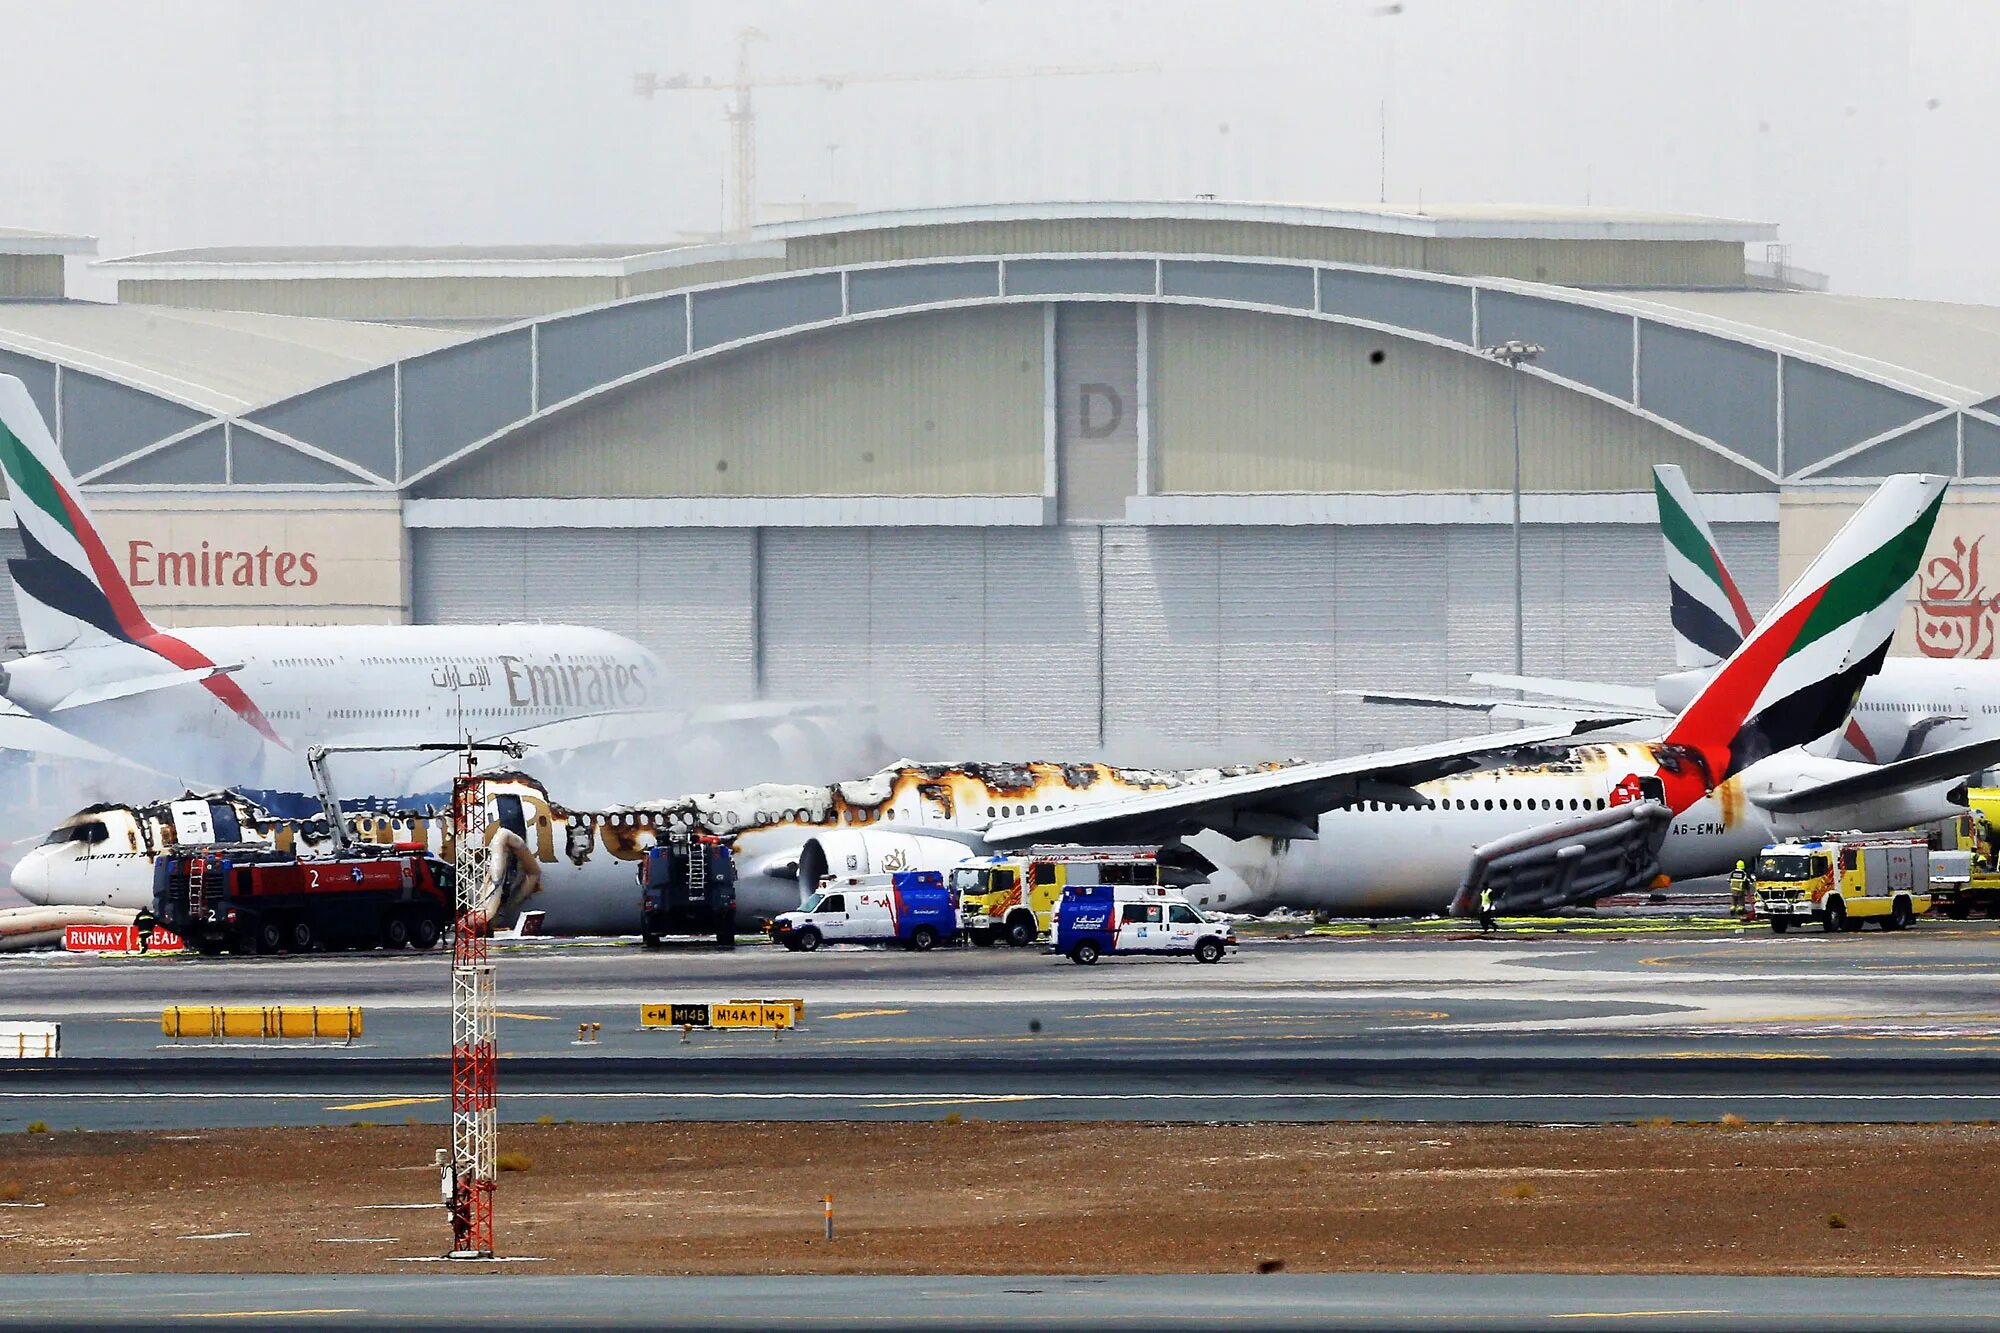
(239,706)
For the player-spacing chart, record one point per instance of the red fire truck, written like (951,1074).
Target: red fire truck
(250,899)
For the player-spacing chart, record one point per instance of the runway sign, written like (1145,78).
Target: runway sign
(118,939)
(734,1014)
(798,1008)
(270,1022)
(30,1041)
(673,1016)
(750,1014)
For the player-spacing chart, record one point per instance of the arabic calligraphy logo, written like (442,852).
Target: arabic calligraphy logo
(895,859)
(1955,616)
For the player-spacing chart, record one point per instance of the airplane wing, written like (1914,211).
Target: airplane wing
(1576,691)
(1521,710)
(1568,862)
(1279,803)
(131,685)
(21,731)
(1888,779)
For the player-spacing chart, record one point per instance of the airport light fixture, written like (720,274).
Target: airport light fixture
(1514,354)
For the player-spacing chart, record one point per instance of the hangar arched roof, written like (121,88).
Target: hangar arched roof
(1795,388)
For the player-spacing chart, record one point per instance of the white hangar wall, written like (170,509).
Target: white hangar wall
(1161,643)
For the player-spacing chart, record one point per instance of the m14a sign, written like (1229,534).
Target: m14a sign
(148,565)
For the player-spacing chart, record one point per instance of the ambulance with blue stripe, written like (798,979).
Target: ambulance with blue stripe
(912,908)
(1095,920)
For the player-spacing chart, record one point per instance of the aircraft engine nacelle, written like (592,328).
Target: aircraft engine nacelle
(874,852)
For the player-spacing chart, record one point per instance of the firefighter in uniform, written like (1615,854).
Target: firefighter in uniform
(1982,843)
(1739,892)
(1486,922)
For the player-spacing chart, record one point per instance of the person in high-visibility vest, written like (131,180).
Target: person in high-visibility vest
(1486,922)
(1739,891)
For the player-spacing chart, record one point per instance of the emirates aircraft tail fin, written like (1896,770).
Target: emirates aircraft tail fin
(66,585)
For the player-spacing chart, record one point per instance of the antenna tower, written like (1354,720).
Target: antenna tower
(473,1082)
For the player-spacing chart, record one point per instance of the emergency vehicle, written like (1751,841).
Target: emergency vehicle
(1965,873)
(252,899)
(687,886)
(1135,918)
(912,908)
(1012,896)
(1844,881)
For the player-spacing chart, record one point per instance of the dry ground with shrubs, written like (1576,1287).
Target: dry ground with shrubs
(983,1197)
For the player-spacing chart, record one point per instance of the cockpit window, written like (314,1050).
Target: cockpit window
(92,831)
(222,816)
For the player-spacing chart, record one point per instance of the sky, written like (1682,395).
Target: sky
(1859,126)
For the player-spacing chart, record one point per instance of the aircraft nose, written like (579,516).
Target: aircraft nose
(34,877)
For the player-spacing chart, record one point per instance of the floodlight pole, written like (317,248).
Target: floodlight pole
(1514,354)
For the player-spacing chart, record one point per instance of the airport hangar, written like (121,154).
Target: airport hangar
(1035,476)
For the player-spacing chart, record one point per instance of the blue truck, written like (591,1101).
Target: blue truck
(1095,920)
(687,886)
(912,908)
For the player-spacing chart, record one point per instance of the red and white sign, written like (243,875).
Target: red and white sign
(118,939)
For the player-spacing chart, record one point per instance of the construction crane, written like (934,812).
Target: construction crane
(742,114)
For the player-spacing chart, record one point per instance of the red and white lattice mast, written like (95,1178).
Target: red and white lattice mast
(473,1085)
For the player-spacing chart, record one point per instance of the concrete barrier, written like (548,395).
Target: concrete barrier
(30,1041)
(266,1022)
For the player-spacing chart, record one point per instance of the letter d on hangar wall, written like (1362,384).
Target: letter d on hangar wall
(1100,411)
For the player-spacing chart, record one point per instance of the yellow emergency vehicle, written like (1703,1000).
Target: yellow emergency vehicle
(1844,881)
(1966,873)
(1012,897)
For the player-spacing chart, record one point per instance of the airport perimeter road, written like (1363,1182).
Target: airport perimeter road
(1346,1301)
(1853,1027)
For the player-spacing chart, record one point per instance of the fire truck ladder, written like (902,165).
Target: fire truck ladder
(197,887)
(697,876)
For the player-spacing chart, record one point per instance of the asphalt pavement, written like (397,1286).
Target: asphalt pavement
(1588,1027)
(519,1299)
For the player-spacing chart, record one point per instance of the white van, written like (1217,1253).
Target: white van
(911,908)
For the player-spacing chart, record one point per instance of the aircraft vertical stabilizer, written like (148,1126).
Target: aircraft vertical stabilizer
(1796,677)
(1709,614)
(67,586)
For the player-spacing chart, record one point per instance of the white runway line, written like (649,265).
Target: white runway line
(897,1097)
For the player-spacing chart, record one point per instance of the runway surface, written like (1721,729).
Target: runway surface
(1351,1301)
(1543,1028)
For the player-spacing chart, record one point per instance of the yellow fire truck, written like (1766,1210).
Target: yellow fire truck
(1844,881)
(1011,897)
(1966,871)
